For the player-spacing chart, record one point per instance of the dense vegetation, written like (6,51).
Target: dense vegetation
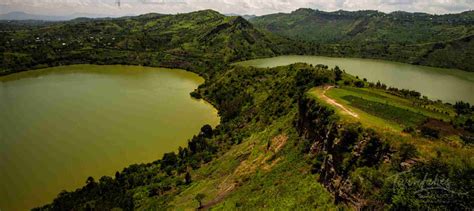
(417,38)
(189,41)
(277,146)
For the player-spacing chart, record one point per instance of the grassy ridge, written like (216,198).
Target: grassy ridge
(279,148)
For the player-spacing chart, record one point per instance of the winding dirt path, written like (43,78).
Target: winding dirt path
(333,102)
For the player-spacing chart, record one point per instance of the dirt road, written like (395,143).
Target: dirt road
(333,102)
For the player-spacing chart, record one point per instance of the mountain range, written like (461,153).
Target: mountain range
(27,16)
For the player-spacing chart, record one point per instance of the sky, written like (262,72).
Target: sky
(242,7)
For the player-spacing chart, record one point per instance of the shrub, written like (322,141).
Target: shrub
(359,84)
(429,132)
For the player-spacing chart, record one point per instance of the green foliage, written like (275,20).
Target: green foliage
(407,151)
(359,84)
(338,73)
(436,184)
(386,111)
(367,26)
(199,197)
(193,41)
(430,132)
(462,108)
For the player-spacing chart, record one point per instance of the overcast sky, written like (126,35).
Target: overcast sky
(258,7)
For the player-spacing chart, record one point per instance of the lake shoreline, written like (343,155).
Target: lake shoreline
(436,83)
(137,82)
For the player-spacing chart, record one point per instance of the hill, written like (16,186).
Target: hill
(185,40)
(27,16)
(417,38)
(280,147)
(368,26)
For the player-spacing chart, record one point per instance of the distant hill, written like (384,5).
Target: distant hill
(367,26)
(27,16)
(246,17)
(416,38)
(150,39)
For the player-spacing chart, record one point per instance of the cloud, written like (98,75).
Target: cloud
(259,7)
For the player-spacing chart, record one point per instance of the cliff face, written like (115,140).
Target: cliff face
(339,150)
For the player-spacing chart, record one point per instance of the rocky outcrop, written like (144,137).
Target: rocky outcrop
(339,150)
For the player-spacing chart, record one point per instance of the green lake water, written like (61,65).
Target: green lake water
(448,85)
(60,125)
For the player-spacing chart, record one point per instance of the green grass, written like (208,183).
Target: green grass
(405,103)
(378,109)
(259,178)
(386,111)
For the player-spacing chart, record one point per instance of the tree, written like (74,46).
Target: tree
(462,108)
(338,73)
(187,178)
(206,131)
(199,197)
(90,183)
(169,159)
(90,180)
(359,84)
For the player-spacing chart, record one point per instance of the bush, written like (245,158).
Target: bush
(196,94)
(407,151)
(359,84)
(409,129)
(462,108)
(429,132)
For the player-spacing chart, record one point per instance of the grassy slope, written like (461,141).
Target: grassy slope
(255,176)
(389,127)
(380,96)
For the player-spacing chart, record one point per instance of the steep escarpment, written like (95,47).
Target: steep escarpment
(339,149)
(380,170)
